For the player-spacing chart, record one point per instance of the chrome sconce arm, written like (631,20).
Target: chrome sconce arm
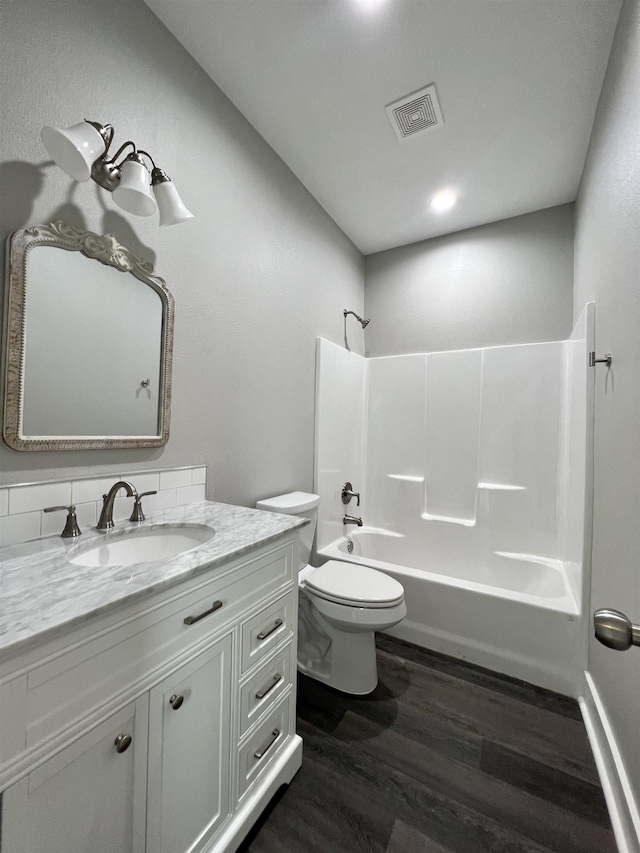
(82,152)
(107,172)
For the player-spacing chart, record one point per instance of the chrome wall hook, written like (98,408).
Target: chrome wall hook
(593,360)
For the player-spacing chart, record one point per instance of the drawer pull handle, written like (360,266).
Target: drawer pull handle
(275,734)
(122,743)
(176,701)
(191,620)
(264,634)
(260,694)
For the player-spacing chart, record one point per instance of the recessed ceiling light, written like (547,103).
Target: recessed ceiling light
(443,200)
(370,5)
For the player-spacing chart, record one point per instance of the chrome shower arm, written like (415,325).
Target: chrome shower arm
(362,322)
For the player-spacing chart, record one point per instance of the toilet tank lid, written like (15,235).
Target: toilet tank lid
(293,502)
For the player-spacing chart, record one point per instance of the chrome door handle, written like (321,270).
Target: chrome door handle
(275,734)
(260,694)
(191,620)
(264,634)
(614,630)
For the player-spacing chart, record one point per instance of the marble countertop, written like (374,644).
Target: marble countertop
(42,594)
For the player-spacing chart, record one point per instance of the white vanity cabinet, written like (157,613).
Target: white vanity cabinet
(162,726)
(88,798)
(188,795)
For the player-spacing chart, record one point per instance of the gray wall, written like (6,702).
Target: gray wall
(608,270)
(259,273)
(509,282)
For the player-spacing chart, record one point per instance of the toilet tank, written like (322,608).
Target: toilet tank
(303,504)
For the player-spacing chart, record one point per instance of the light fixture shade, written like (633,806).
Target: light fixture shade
(171,207)
(133,193)
(74,148)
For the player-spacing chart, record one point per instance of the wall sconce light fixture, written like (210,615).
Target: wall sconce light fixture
(81,151)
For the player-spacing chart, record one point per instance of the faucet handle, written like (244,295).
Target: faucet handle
(137,515)
(71,529)
(347,494)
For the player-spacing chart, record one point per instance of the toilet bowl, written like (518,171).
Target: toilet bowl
(350,603)
(341,605)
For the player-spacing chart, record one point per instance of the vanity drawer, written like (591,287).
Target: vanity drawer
(135,652)
(265,687)
(264,631)
(264,744)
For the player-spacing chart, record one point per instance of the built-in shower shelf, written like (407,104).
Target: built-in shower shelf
(417,480)
(502,487)
(498,487)
(466,522)
(407,478)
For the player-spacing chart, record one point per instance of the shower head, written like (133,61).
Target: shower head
(362,322)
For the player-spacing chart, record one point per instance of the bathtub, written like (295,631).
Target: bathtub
(513,613)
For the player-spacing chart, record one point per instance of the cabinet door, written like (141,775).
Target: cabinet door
(89,798)
(189,760)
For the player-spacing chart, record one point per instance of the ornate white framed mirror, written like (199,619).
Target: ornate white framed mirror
(88,343)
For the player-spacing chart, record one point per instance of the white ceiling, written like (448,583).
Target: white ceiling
(518,82)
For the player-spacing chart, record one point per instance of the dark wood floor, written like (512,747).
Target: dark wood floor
(443,757)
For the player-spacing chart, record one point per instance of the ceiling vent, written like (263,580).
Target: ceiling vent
(415,113)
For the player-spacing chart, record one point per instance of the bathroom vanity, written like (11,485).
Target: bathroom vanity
(148,708)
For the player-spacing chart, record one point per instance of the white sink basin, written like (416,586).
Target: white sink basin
(148,544)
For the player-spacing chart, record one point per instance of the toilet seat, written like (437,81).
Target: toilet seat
(354,585)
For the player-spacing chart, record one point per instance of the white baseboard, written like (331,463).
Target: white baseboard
(554,676)
(617,788)
(281,771)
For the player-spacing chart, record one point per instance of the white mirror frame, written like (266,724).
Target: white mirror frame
(106,250)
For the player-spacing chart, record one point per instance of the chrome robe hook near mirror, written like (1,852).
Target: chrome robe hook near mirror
(81,151)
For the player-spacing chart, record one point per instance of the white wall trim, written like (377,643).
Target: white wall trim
(556,677)
(618,792)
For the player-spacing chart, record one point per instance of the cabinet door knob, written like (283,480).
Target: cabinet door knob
(176,701)
(122,743)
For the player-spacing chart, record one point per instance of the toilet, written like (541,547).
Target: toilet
(341,606)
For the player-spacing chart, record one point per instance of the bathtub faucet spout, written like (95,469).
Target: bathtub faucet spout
(349,519)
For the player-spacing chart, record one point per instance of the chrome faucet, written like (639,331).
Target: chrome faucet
(106,516)
(349,519)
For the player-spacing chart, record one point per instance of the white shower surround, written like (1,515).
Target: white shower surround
(472,467)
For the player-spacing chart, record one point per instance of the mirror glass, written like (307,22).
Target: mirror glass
(89,332)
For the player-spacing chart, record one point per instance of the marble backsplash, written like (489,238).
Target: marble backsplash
(21,506)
